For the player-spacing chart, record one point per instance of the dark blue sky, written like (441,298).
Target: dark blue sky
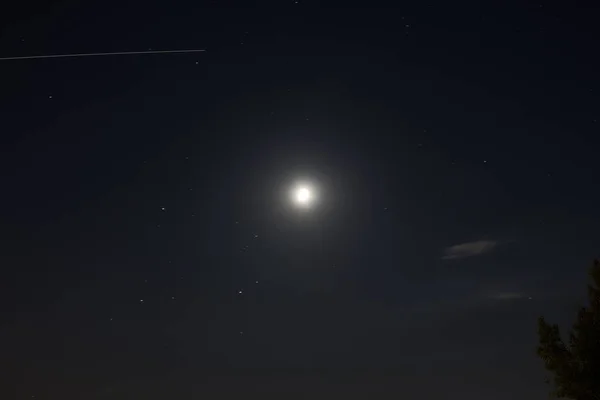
(455,148)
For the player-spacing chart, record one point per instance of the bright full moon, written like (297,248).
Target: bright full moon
(303,196)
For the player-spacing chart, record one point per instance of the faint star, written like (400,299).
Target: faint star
(485,161)
(163,209)
(173,298)
(240,291)
(50,96)
(255,236)
(141,301)
(256,282)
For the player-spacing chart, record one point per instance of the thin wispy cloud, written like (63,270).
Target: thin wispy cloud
(469,249)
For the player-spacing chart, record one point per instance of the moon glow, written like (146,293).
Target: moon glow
(303,196)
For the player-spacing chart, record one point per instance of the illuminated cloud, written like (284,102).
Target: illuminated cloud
(469,249)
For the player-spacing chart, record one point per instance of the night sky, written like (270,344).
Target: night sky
(150,247)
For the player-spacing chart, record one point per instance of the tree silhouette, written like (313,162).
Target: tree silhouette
(575,367)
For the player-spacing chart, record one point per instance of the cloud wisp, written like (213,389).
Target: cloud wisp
(469,249)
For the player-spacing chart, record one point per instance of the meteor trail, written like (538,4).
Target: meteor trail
(121,53)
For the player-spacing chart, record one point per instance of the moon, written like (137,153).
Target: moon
(303,196)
